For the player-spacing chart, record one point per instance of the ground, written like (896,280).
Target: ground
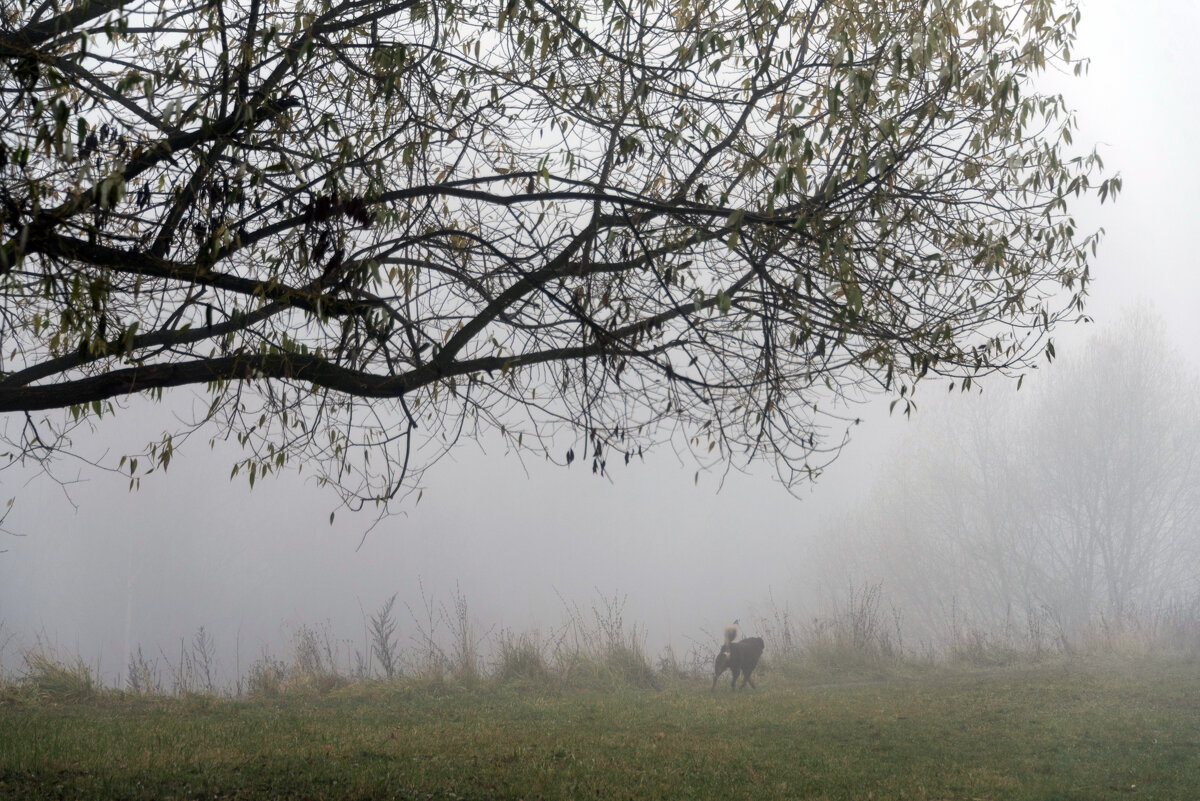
(1065,730)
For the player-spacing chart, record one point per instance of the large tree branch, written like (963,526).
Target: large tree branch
(23,42)
(321,372)
(297,367)
(192,273)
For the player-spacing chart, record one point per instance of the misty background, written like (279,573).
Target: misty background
(1060,508)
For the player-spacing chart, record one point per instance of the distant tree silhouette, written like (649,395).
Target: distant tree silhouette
(1070,507)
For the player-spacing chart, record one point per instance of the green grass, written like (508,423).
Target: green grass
(1048,733)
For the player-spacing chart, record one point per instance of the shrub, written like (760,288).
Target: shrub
(520,658)
(51,679)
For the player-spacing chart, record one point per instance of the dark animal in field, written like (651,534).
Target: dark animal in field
(739,657)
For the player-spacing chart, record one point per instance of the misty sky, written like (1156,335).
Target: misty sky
(95,566)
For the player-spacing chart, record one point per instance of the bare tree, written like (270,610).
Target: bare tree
(383,642)
(1078,498)
(362,229)
(1117,470)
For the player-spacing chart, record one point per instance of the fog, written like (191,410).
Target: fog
(96,570)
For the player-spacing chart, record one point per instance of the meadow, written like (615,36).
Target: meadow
(1063,728)
(843,710)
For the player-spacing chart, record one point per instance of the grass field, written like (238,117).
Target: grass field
(1062,731)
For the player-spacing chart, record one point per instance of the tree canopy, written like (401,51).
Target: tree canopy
(360,230)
